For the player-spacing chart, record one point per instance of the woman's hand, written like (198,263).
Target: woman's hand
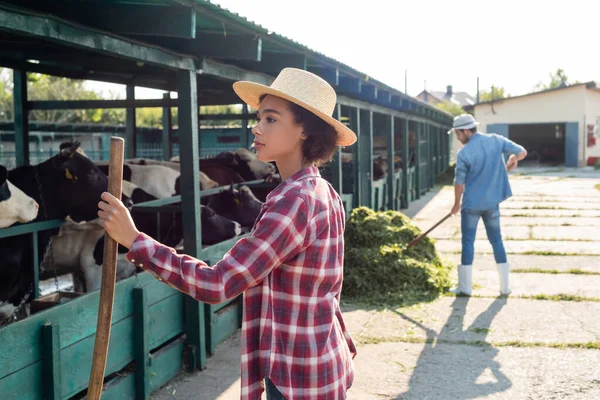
(115,218)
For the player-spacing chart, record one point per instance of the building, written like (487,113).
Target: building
(558,126)
(463,99)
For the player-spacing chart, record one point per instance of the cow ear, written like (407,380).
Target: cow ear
(68,150)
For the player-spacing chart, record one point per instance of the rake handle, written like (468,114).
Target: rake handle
(416,240)
(109,270)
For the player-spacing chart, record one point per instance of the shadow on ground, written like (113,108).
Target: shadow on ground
(458,372)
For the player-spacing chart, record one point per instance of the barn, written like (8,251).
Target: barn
(558,126)
(47,351)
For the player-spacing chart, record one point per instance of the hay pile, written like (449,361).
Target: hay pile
(376,269)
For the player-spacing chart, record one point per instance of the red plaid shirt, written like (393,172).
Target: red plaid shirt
(290,269)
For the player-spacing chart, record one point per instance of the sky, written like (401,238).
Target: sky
(512,44)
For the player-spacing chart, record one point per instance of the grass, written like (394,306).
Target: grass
(572,271)
(541,297)
(479,343)
(553,253)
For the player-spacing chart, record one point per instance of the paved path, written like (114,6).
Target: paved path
(542,342)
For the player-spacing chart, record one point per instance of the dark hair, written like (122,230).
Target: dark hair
(321,138)
(473,130)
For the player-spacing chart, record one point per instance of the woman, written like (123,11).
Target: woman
(290,267)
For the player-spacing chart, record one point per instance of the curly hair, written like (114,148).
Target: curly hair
(321,138)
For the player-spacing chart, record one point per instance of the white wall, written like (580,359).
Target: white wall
(592,117)
(565,105)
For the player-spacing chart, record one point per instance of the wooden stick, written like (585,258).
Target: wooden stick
(415,241)
(109,269)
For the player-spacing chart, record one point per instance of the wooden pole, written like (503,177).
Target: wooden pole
(109,269)
(418,239)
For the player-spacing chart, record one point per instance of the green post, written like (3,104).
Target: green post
(21,117)
(167,134)
(336,164)
(391,181)
(187,99)
(36,264)
(418,180)
(50,348)
(405,188)
(354,116)
(365,167)
(130,139)
(247,132)
(140,343)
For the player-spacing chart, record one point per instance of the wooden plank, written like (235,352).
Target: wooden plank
(140,339)
(225,45)
(21,117)
(30,227)
(99,104)
(120,388)
(48,28)
(51,361)
(165,320)
(77,319)
(26,384)
(166,364)
(232,73)
(224,323)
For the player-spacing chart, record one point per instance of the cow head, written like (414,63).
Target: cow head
(80,183)
(237,204)
(15,206)
(216,228)
(260,169)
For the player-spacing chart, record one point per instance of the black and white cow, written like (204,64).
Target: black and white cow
(15,206)
(70,185)
(157,180)
(245,163)
(79,248)
(237,204)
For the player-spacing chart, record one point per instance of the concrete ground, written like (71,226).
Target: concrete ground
(542,342)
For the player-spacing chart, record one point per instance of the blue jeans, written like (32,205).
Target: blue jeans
(272,392)
(491,220)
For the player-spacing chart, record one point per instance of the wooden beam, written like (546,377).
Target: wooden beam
(232,73)
(138,19)
(95,104)
(47,28)
(226,46)
(391,180)
(50,349)
(141,333)
(21,116)
(272,63)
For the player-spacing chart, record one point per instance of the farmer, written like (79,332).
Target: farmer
(481,178)
(290,267)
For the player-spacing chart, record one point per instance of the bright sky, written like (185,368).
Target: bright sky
(510,43)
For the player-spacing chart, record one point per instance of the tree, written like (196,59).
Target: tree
(450,107)
(557,79)
(494,94)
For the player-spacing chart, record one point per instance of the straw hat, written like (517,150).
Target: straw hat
(304,89)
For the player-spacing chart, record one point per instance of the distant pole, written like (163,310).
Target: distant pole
(477,89)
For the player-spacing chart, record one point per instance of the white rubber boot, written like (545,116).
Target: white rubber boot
(503,271)
(464,280)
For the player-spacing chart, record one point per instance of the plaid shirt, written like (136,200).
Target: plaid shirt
(290,269)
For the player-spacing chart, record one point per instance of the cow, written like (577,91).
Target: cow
(205,181)
(79,248)
(237,204)
(244,162)
(66,185)
(15,206)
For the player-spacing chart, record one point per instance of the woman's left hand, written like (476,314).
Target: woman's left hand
(115,218)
